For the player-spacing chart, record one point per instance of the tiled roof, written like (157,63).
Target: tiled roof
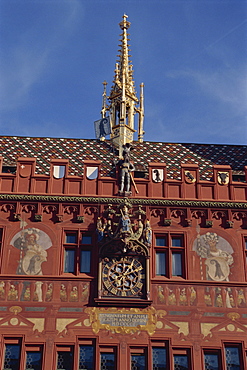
(78,150)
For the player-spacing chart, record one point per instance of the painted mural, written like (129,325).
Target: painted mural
(32,244)
(217,255)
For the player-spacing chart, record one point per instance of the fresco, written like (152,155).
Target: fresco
(32,244)
(217,255)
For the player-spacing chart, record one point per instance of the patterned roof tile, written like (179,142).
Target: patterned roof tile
(78,150)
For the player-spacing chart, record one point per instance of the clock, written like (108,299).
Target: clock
(123,277)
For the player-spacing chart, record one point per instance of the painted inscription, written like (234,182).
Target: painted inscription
(119,319)
(124,320)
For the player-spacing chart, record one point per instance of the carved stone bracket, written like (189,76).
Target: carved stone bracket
(49,208)
(7,207)
(157,212)
(28,207)
(71,209)
(241,216)
(219,215)
(91,210)
(198,214)
(176,213)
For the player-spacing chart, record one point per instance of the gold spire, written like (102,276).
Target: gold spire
(123,100)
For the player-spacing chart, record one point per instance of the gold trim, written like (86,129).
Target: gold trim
(15,309)
(130,315)
(233,316)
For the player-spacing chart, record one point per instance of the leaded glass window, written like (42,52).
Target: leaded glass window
(159,358)
(86,358)
(33,360)
(211,360)
(138,361)
(12,356)
(107,361)
(232,358)
(65,360)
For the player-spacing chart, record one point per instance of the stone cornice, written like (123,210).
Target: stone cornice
(114,200)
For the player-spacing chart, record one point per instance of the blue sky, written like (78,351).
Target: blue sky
(191,56)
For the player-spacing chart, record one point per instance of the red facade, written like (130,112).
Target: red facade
(91,279)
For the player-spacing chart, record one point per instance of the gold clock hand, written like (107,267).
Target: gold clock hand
(137,269)
(129,267)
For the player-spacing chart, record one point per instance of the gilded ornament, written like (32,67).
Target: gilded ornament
(15,309)
(124,320)
(233,316)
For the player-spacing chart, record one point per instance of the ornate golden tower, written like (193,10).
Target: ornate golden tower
(123,102)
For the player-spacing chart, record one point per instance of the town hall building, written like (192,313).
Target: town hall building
(122,254)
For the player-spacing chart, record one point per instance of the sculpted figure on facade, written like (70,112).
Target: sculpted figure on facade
(100,229)
(125,224)
(126,167)
(147,233)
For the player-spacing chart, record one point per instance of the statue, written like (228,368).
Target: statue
(125,221)
(100,229)
(147,233)
(126,168)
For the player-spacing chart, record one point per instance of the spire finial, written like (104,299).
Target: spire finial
(123,99)
(124,24)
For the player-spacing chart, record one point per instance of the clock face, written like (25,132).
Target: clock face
(123,277)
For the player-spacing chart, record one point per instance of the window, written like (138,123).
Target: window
(77,252)
(169,256)
(108,359)
(165,357)
(138,359)
(181,359)
(228,359)
(160,263)
(9,169)
(232,355)
(65,356)
(212,360)
(12,355)
(159,355)
(86,355)
(34,357)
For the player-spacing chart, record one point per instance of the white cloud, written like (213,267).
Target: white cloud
(227,86)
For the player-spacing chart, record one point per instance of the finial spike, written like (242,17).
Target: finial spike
(123,99)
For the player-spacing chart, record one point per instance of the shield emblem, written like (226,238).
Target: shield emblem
(102,127)
(157,175)
(217,268)
(58,172)
(223,178)
(189,177)
(92,173)
(25,170)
